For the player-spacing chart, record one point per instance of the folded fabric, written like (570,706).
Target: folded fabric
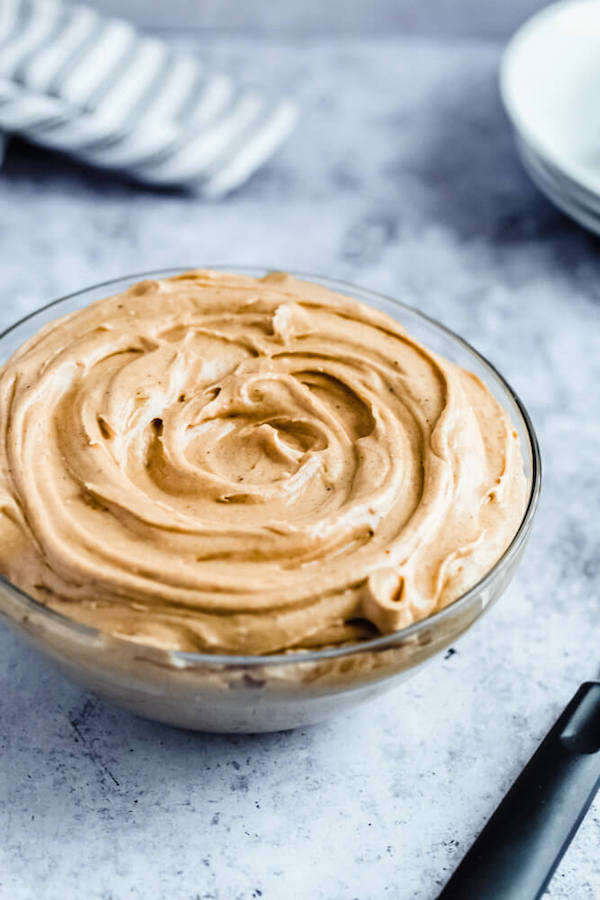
(100,91)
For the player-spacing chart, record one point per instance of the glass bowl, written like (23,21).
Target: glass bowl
(274,692)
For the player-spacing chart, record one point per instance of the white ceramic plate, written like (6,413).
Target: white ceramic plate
(585,214)
(550,85)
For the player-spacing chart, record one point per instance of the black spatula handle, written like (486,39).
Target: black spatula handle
(517,852)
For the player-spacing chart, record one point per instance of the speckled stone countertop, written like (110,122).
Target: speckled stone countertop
(402,177)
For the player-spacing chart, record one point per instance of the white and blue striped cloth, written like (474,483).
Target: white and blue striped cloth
(97,89)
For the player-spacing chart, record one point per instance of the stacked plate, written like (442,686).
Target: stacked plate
(550,85)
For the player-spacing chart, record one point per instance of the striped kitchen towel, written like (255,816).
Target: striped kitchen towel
(100,91)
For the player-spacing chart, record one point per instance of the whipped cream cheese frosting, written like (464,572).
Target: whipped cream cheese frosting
(220,463)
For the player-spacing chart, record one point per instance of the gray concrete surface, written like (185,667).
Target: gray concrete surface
(429,17)
(401,177)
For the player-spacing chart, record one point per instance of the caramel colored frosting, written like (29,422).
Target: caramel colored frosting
(220,463)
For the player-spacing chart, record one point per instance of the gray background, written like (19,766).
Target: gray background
(431,17)
(401,176)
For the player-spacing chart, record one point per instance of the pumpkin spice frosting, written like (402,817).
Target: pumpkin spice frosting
(221,463)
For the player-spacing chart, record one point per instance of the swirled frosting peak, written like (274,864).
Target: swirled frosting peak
(229,464)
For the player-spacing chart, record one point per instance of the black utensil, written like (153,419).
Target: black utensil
(517,852)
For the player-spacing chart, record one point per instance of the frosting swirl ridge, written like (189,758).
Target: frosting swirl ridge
(221,463)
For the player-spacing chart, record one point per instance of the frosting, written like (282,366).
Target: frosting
(220,463)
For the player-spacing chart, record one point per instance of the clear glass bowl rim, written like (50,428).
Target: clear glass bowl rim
(375,644)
